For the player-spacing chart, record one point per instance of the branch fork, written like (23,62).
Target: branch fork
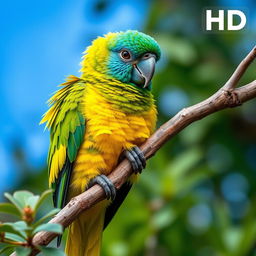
(232,98)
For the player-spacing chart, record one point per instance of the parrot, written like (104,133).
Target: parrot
(94,121)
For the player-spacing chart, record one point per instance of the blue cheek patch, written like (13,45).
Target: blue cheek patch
(119,69)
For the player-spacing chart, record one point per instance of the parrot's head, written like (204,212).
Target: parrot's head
(129,57)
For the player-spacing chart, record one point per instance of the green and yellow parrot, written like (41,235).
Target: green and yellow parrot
(108,112)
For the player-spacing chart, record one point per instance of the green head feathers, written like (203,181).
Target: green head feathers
(136,42)
(126,56)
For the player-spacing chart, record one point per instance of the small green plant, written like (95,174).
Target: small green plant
(18,236)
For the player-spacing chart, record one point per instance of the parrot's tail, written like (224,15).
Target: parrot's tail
(84,234)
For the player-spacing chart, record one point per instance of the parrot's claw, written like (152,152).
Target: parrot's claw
(106,185)
(136,158)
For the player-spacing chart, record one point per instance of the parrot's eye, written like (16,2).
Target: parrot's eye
(146,56)
(125,55)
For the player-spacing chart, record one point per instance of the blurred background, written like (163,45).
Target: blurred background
(197,196)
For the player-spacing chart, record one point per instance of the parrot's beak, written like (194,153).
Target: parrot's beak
(143,71)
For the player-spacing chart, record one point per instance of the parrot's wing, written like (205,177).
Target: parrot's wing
(67,128)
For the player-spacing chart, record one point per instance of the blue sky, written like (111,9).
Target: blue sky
(41,43)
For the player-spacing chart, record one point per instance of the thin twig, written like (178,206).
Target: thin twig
(224,98)
(242,67)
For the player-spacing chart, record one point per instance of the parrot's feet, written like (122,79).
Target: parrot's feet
(106,185)
(136,158)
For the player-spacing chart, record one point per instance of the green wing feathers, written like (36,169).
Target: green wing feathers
(67,127)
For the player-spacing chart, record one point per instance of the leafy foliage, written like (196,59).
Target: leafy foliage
(19,235)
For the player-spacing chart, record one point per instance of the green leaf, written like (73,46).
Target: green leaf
(51,227)
(23,251)
(7,250)
(184,162)
(44,195)
(48,215)
(32,201)
(163,218)
(12,228)
(14,237)
(10,209)
(16,203)
(20,225)
(48,251)
(7,228)
(22,197)
(232,236)
(179,50)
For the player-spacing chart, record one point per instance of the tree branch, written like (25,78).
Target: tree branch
(242,67)
(225,97)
